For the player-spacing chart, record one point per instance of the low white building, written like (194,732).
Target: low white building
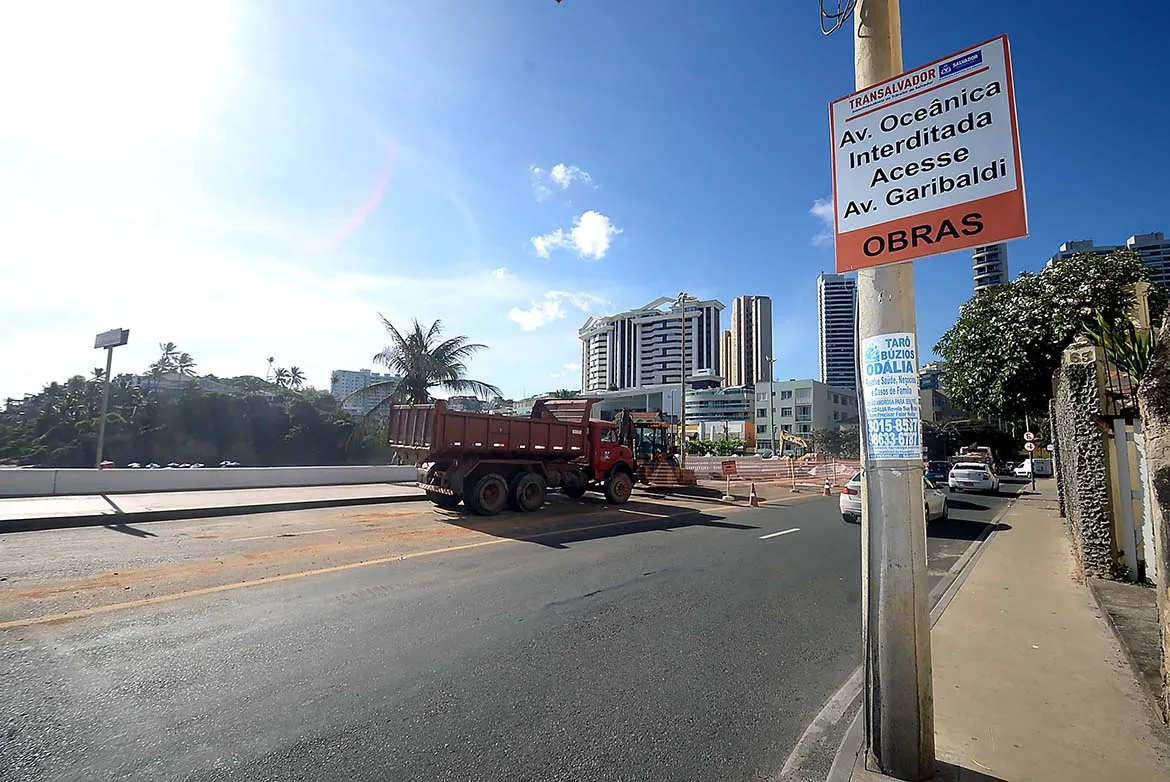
(801,407)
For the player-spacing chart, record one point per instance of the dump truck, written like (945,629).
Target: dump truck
(489,462)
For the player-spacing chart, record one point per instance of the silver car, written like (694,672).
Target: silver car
(934,500)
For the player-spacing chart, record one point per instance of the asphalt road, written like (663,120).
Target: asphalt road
(674,642)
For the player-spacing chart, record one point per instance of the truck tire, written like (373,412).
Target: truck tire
(528,492)
(618,487)
(488,495)
(574,490)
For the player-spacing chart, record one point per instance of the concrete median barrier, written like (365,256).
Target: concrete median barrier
(48,483)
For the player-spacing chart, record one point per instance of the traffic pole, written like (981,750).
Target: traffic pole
(899,709)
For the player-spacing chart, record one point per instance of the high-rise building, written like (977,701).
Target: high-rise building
(837,328)
(725,348)
(751,340)
(643,346)
(345,383)
(989,266)
(1152,247)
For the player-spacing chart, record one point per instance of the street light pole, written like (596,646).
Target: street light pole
(682,407)
(899,709)
(108,340)
(772,406)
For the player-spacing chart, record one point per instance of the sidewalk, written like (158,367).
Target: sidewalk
(1029,681)
(29,513)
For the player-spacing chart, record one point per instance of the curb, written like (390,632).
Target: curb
(102,520)
(852,743)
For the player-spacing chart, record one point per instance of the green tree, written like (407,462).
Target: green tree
(281,377)
(423,361)
(184,364)
(565,393)
(1007,341)
(296,378)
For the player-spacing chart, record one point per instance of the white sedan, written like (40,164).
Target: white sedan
(972,476)
(934,500)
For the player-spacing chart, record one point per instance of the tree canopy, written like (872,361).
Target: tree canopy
(1007,341)
(423,361)
(247,420)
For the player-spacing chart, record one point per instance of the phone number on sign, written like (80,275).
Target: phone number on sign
(884,425)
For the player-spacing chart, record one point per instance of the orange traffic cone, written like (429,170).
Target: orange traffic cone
(828,488)
(753,500)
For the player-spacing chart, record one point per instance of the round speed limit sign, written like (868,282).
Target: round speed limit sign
(1029,447)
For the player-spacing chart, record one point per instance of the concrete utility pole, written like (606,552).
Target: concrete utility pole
(682,406)
(107,340)
(899,708)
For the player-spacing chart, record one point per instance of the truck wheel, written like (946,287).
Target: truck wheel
(528,492)
(618,488)
(445,501)
(574,490)
(488,495)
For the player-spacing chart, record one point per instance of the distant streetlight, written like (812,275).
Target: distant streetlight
(108,340)
(681,302)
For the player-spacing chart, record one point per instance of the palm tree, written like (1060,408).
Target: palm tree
(565,393)
(280,377)
(185,365)
(296,378)
(170,353)
(424,362)
(268,376)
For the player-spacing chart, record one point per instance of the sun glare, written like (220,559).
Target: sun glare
(103,75)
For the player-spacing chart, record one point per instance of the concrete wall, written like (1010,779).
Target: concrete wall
(43,483)
(1083,466)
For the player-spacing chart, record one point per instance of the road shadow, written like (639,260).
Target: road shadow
(126,529)
(955,504)
(961,529)
(554,528)
(950,772)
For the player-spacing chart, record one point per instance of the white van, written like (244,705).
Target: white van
(1043,468)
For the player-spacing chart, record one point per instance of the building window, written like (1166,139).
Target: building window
(785,412)
(785,394)
(803,394)
(804,429)
(763,429)
(804,412)
(761,412)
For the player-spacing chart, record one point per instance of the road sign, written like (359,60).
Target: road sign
(1029,447)
(729,468)
(929,161)
(1029,437)
(112,338)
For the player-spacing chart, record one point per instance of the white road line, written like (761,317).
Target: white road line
(646,513)
(285,534)
(777,534)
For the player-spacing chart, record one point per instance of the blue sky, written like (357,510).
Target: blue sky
(252,183)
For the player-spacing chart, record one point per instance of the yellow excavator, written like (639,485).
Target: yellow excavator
(649,436)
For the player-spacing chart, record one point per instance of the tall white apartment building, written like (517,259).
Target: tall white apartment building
(643,346)
(1152,247)
(989,266)
(751,341)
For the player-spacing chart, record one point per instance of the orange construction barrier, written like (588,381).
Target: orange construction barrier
(753,500)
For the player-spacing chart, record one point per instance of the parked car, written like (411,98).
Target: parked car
(1043,468)
(937,472)
(973,476)
(934,499)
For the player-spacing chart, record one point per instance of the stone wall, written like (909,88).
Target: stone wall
(1081,464)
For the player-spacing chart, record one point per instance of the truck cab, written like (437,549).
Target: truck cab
(606,449)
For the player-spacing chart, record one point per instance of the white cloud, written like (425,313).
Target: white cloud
(571,369)
(564,175)
(590,237)
(538,176)
(552,308)
(822,209)
(499,274)
(561,175)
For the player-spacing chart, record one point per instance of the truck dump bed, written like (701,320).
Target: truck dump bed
(428,433)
